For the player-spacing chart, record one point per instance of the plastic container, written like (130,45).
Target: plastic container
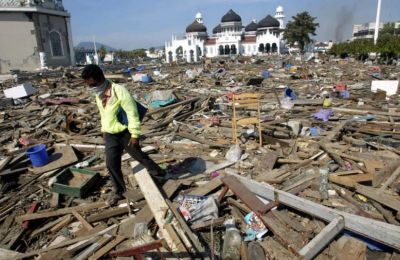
(38,155)
(146,79)
(232,241)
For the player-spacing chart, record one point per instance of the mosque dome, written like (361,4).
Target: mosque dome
(231,16)
(279,9)
(268,21)
(196,27)
(251,27)
(217,29)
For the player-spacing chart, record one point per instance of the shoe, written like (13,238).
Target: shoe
(113,200)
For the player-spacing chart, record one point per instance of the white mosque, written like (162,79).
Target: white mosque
(229,37)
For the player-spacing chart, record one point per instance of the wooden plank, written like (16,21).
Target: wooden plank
(195,240)
(207,224)
(84,232)
(60,212)
(376,230)
(155,201)
(199,140)
(83,221)
(244,194)
(107,248)
(68,157)
(68,242)
(180,246)
(285,218)
(207,188)
(137,250)
(331,134)
(322,239)
(93,247)
(291,239)
(268,161)
(6,254)
(106,214)
(391,179)
(65,222)
(377,195)
(46,227)
(387,214)
(349,248)
(350,180)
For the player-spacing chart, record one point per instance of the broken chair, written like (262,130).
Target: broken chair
(246,101)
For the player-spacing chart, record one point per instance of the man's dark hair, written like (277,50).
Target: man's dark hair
(94,72)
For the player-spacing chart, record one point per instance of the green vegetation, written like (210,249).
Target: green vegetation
(388,46)
(138,53)
(300,29)
(102,52)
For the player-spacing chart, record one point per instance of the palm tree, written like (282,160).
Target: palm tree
(300,28)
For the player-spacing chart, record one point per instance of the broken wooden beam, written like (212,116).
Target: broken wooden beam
(137,250)
(155,202)
(60,212)
(322,239)
(244,194)
(106,248)
(106,214)
(392,202)
(376,230)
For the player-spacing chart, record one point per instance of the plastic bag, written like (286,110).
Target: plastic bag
(234,153)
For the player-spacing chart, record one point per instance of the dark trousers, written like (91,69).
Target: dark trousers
(115,144)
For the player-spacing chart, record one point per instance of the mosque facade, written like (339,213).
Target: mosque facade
(229,37)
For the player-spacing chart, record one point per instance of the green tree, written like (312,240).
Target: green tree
(102,52)
(300,28)
(388,29)
(152,50)
(388,46)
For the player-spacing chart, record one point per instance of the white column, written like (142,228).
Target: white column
(378,13)
(279,47)
(71,45)
(188,56)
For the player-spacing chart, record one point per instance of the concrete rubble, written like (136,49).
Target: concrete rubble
(324,184)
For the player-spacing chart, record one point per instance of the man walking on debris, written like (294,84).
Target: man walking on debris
(110,99)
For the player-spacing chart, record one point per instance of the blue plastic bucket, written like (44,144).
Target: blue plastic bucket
(146,79)
(38,155)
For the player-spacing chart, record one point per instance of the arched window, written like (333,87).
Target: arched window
(221,50)
(233,49)
(261,47)
(56,44)
(267,48)
(274,47)
(170,56)
(227,50)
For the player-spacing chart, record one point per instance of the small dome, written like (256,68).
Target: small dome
(251,27)
(231,16)
(268,21)
(217,29)
(199,16)
(196,27)
(279,9)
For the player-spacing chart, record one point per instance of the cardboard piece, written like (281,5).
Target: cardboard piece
(20,91)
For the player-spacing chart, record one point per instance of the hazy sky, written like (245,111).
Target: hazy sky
(131,24)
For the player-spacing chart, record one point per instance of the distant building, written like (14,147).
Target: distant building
(323,47)
(156,54)
(364,31)
(229,37)
(367,30)
(34,34)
